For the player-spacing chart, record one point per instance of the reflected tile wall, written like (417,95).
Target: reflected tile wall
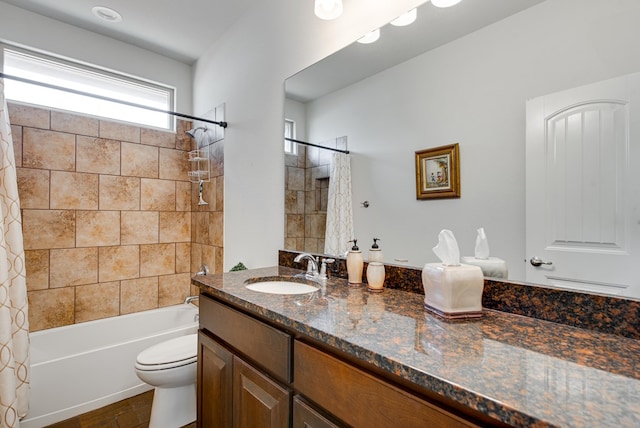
(107,216)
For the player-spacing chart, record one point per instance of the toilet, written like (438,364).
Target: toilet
(171,367)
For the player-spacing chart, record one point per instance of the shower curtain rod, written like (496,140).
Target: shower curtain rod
(100,97)
(316,145)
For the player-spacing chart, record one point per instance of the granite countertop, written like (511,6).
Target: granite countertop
(518,370)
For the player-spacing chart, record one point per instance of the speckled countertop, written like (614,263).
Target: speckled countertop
(518,370)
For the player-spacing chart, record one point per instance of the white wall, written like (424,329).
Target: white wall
(246,70)
(473,92)
(18,26)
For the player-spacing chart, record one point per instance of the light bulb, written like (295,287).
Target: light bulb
(370,37)
(445,3)
(328,9)
(406,18)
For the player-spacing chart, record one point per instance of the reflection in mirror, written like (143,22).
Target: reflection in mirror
(468,84)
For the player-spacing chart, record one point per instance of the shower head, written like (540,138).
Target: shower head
(192,132)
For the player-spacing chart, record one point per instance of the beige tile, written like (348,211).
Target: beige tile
(28,116)
(174,165)
(119,131)
(33,188)
(98,155)
(173,289)
(97,301)
(116,263)
(119,193)
(16,137)
(155,137)
(97,228)
(37,267)
(157,259)
(184,141)
(201,227)
(74,123)
(196,257)
(74,266)
(183,196)
(208,194)
(175,227)
(139,227)
(216,229)
(208,257)
(50,308)
(45,229)
(48,150)
(183,257)
(218,257)
(138,295)
(139,160)
(295,226)
(73,190)
(157,195)
(219,193)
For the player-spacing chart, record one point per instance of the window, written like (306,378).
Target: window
(290,147)
(83,78)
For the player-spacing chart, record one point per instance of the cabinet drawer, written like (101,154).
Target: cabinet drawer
(359,398)
(268,347)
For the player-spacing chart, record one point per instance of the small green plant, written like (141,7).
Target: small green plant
(239,266)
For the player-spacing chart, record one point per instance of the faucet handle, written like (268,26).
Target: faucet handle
(323,267)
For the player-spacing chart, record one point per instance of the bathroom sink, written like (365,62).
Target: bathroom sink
(280,286)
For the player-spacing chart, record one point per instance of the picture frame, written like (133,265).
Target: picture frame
(438,172)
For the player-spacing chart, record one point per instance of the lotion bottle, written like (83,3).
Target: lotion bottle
(375,252)
(355,264)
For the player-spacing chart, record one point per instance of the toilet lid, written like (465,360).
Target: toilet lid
(173,352)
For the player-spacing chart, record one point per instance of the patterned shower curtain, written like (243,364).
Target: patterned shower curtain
(339,210)
(14,323)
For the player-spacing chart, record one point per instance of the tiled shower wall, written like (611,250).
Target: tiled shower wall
(107,216)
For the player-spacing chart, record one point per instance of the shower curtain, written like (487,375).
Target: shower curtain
(14,323)
(339,229)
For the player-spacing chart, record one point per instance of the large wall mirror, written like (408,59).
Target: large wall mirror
(462,75)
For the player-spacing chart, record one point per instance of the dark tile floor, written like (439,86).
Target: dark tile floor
(133,412)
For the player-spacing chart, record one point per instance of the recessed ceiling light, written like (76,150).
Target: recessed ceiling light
(106,14)
(445,3)
(406,18)
(370,37)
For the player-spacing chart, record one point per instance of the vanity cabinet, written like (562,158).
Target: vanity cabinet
(249,372)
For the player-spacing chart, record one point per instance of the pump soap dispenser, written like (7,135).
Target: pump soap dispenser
(375,252)
(355,264)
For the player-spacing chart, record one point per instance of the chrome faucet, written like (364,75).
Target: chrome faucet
(190,299)
(312,266)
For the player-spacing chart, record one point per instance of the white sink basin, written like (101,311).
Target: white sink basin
(281,287)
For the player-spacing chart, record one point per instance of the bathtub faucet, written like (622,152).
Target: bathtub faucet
(190,299)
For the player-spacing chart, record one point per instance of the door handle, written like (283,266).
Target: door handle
(537,261)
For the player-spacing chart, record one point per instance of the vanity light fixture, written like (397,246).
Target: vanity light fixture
(328,9)
(445,3)
(106,14)
(370,37)
(405,19)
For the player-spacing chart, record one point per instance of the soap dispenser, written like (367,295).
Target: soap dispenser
(355,264)
(375,252)
(375,268)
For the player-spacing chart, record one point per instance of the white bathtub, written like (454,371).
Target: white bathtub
(82,367)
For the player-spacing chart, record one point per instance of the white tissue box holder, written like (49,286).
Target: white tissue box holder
(453,291)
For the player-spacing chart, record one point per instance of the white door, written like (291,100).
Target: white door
(583,188)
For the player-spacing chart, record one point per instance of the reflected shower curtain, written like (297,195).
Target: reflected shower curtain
(339,208)
(14,323)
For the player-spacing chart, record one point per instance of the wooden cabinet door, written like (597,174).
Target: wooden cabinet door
(305,416)
(215,374)
(258,401)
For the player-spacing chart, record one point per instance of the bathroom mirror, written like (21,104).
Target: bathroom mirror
(457,75)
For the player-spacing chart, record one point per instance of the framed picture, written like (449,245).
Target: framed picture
(438,172)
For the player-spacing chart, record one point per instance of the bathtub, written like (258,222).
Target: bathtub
(82,367)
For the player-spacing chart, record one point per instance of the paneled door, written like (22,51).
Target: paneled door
(583,188)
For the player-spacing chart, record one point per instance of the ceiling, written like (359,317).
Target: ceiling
(179,30)
(433,27)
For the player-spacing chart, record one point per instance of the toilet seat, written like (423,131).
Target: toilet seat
(172,353)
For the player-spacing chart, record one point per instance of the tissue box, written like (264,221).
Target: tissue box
(453,291)
(492,267)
